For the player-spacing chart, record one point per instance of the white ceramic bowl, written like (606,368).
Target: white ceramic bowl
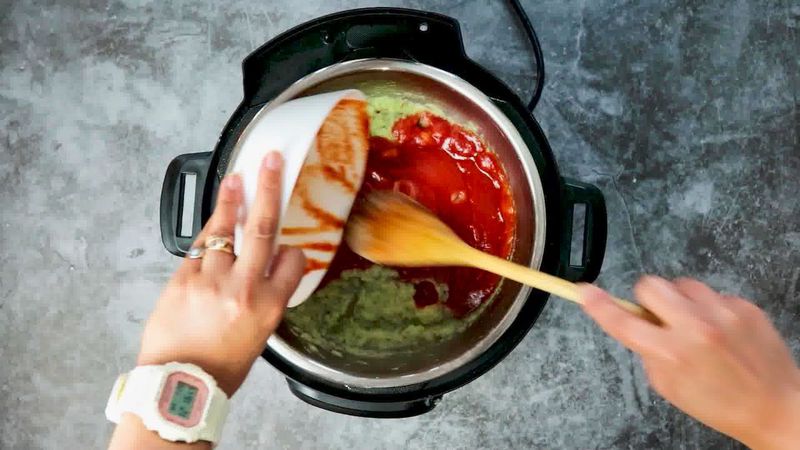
(324,142)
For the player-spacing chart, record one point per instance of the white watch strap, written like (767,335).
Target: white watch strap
(218,410)
(139,391)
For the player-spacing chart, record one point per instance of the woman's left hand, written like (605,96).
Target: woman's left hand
(218,311)
(716,357)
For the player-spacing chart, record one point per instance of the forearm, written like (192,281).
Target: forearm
(131,434)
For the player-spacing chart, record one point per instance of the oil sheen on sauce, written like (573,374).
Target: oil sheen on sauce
(449,170)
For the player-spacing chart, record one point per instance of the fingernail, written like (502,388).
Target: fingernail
(590,293)
(273,161)
(232,182)
(660,284)
(585,289)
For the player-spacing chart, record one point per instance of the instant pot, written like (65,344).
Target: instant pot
(420,56)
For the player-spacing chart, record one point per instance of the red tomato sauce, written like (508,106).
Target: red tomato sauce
(449,170)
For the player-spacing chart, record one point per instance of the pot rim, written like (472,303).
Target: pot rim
(282,349)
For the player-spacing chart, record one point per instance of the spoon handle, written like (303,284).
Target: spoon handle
(542,281)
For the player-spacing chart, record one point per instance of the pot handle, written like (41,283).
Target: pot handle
(595,230)
(360,33)
(182,196)
(363,408)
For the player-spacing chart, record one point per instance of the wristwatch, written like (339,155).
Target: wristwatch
(180,402)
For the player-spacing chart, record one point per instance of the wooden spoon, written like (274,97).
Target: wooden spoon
(392,229)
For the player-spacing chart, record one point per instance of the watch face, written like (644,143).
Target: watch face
(183,399)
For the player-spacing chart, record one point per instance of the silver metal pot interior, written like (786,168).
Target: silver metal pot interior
(461,103)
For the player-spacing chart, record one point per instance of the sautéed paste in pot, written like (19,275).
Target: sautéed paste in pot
(365,309)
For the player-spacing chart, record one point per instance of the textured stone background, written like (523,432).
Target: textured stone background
(684,112)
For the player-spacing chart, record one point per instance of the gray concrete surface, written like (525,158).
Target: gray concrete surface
(685,113)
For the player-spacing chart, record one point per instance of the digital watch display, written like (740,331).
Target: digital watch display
(181,402)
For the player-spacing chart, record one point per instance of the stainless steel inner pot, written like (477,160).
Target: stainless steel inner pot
(465,104)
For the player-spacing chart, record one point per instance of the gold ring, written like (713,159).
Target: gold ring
(219,243)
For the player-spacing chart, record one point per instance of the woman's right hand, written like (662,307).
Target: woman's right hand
(218,311)
(716,357)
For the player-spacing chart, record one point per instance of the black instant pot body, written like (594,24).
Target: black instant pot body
(425,38)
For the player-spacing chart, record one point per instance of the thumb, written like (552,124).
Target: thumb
(287,271)
(631,331)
